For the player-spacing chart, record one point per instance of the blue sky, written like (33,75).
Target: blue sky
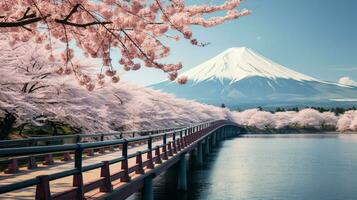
(315,37)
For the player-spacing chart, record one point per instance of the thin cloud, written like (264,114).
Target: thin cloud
(346,69)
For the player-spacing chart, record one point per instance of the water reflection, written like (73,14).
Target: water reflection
(252,167)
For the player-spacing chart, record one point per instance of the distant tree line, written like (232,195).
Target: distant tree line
(336,110)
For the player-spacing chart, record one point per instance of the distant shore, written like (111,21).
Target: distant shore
(297,131)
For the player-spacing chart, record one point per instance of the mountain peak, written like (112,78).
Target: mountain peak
(237,63)
(236,49)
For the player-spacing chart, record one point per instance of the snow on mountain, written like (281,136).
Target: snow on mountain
(240,77)
(236,64)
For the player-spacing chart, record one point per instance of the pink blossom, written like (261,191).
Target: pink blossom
(134,28)
(115,79)
(182,80)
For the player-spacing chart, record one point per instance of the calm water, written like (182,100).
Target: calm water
(256,167)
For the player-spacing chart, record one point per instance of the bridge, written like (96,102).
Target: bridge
(115,167)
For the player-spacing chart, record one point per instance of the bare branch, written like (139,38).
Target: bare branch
(27,16)
(80,25)
(22,23)
(66,21)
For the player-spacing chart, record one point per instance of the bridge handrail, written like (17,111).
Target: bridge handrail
(36,150)
(80,147)
(31,141)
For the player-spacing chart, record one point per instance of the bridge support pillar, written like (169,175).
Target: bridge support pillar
(207,146)
(193,157)
(182,175)
(199,154)
(43,188)
(147,192)
(214,139)
(211,141)
(224,131)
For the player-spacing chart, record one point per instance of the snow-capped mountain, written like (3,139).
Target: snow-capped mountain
(240,77)
(236,64)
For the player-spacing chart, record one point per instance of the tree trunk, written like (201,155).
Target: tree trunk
(6,128)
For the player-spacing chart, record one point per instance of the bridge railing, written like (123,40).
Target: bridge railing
(172,142)
(11,164)
(76,138)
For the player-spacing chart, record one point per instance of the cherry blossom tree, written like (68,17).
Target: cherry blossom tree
(33,97)
(136,29)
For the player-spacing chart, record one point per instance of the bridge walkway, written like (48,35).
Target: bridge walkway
(64,184)
(113,169)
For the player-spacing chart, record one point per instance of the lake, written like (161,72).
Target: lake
(271,167)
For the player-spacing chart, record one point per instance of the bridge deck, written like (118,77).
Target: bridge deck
(64,184)
(162,149)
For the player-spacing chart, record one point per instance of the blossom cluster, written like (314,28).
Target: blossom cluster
(135,28)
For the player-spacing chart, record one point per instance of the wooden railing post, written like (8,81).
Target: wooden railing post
(170,152)
(112,148)
(90,152)
(66,156)
(124,163)
(48,159)
(164,150)
(182,145)
(43,188)
(174,143)
(190,139)
(78,177)
(158,155)
(102,150)
(78,139)
(185,138)
(32,163)
(149,154)
(105,173)
(139,162)
(13,166)
(32,160)
(178,144)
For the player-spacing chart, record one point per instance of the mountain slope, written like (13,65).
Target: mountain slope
(236,64)
(240,77)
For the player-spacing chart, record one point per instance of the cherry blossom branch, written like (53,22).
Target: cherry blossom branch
(22,22)
(135,28)
(66,21)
